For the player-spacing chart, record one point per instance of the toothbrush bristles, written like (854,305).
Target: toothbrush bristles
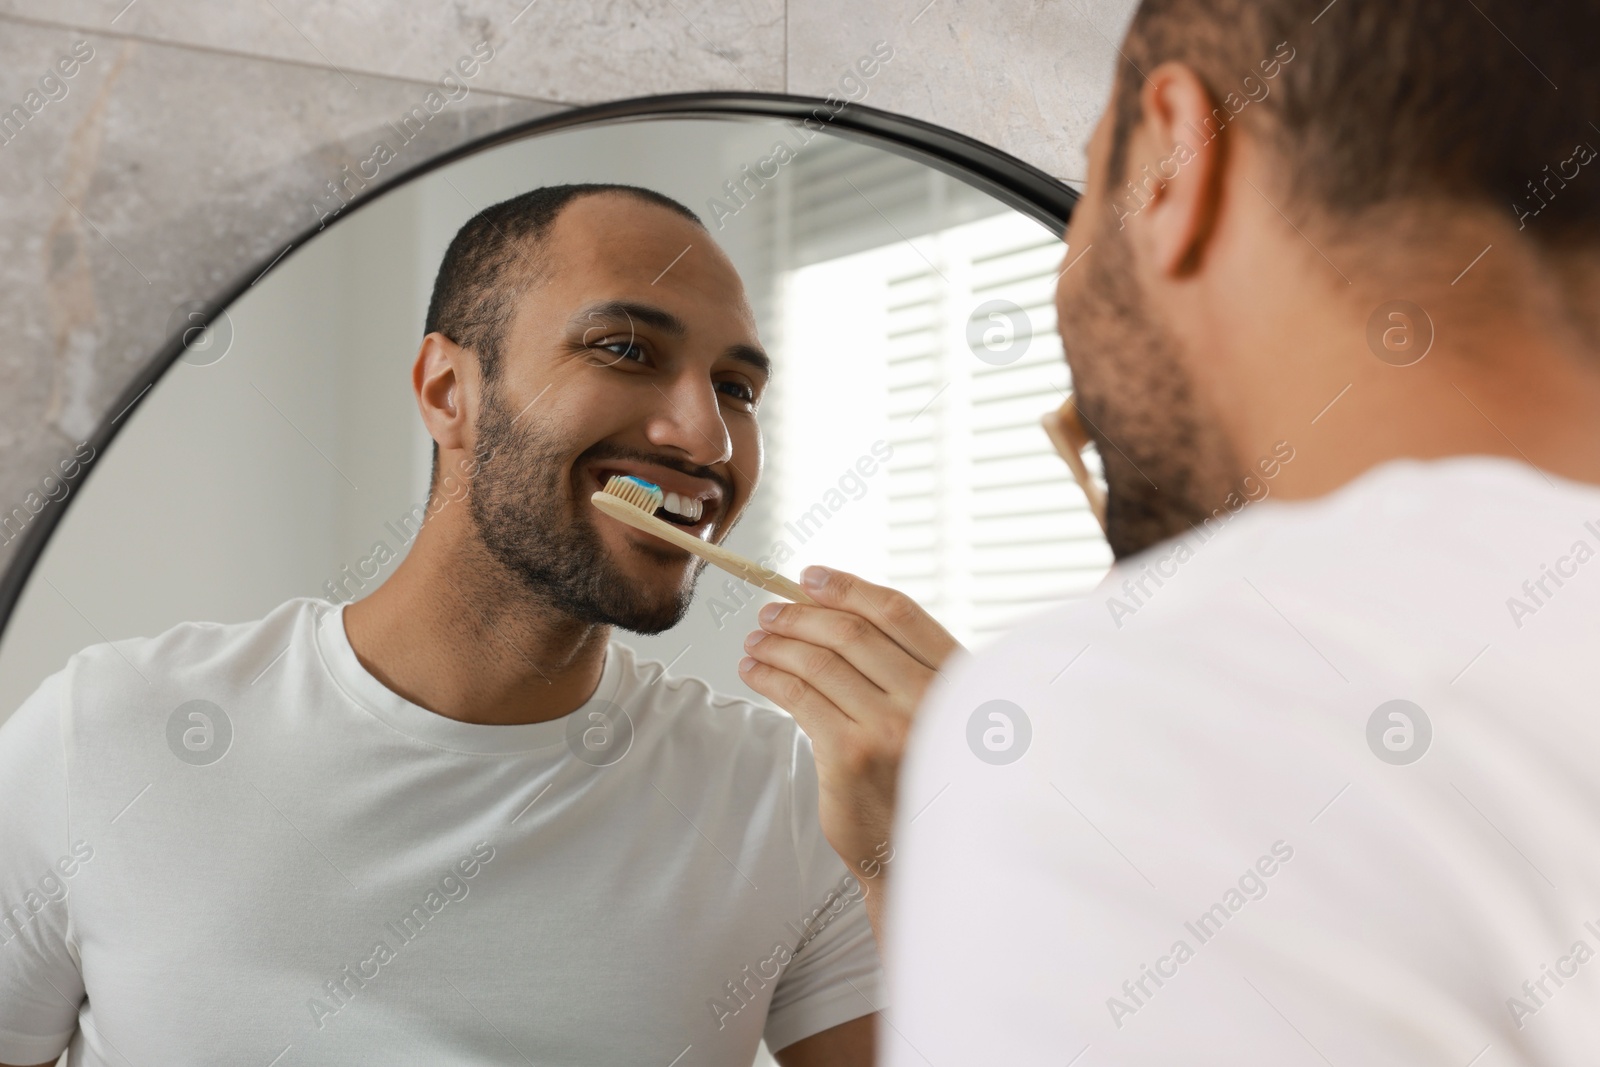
(636,491)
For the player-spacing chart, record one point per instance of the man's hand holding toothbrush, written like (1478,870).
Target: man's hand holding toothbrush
(852,670)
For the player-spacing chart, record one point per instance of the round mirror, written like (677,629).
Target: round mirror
(638,880)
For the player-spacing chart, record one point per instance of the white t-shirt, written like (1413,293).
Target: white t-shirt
(1213,848)
(232,844)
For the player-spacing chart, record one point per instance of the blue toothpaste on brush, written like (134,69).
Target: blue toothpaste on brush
(647,496)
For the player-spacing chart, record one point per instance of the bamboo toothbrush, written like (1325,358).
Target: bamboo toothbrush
(1066,432)
(634,501)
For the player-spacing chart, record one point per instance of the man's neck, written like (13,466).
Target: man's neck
(1509,372)
(450,632)
(1451,404)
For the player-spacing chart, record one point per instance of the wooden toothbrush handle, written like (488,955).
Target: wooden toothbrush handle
(1080,472)
(731,562)
(740,567)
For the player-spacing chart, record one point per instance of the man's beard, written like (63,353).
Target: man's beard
(1167,464)
(518,502)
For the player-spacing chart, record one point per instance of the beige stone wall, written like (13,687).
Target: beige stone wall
(199,137)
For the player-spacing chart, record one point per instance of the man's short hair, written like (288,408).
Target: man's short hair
(493,259)
(497,254)
(1446,101)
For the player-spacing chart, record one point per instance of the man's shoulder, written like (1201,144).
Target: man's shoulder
(690,707)
(193,655)
(1414,555)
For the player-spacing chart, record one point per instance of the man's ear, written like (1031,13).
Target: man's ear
(441,376)
(1176,160)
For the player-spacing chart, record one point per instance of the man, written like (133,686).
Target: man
(454,822)
(1310,779)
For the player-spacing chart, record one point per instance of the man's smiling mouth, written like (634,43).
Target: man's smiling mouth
(683,510)
(694,504)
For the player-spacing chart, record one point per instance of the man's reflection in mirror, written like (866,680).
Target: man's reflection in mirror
(455,820)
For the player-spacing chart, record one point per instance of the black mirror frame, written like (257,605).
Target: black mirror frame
(1020,186)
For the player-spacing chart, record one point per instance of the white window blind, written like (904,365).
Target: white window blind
(974,515)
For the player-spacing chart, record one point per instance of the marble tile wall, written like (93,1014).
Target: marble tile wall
(193,139)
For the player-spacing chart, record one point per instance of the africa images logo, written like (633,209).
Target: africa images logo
(1399,732)
(999,732)
(199,732)
(601,735)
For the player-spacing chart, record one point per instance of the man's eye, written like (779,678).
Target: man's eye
(739,391)
(629,350)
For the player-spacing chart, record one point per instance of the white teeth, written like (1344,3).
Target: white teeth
(684,507)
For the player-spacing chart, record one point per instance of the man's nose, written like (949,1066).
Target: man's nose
(689,419)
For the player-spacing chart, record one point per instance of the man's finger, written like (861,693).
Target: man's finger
(823,670)
(879,658)
(818,716)
(894,613)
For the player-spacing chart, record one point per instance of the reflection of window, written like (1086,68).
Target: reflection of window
(906,333)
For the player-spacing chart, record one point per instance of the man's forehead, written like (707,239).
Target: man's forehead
(609,234)
(618,248)
(630,253)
